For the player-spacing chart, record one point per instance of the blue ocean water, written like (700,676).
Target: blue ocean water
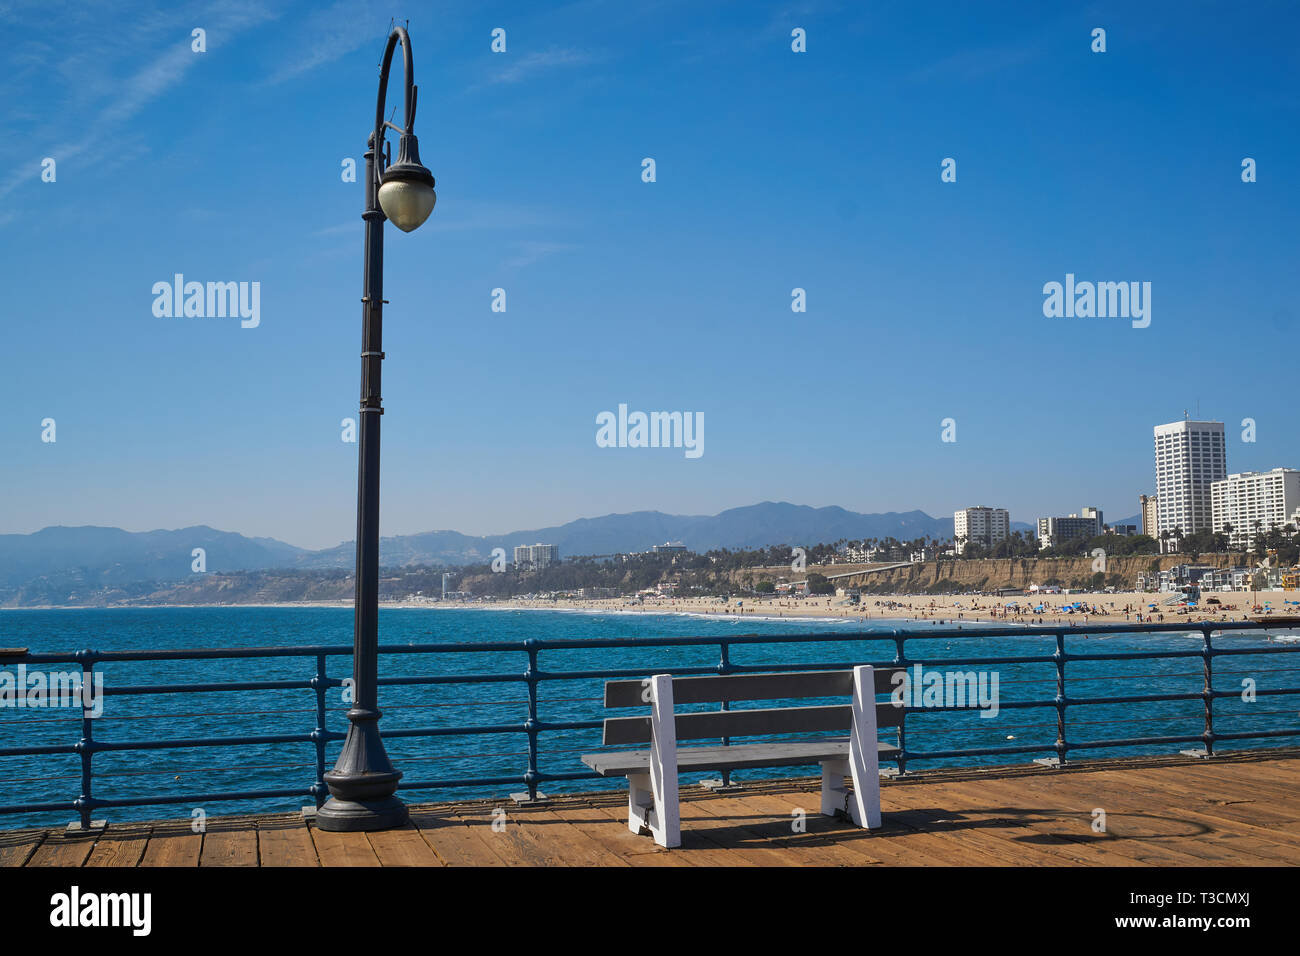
(27,780)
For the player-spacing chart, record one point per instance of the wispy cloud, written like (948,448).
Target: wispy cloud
(94,100)
(530,252)
(530,64)
(975,64)
(331,34)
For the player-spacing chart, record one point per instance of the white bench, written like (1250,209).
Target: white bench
(652,773)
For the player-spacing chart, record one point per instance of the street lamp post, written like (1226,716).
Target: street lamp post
(363,783)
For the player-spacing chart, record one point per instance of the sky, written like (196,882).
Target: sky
(774,170)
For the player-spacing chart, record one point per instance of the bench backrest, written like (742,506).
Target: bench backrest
(833,718)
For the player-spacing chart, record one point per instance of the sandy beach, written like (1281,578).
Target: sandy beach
(1126,607)
(1130,607)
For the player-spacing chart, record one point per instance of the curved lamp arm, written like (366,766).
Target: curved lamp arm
(398,34)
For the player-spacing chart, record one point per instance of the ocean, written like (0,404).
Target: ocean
(209,770)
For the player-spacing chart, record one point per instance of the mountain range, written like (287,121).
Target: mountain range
(101,557)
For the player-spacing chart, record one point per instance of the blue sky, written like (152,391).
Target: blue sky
(775,170)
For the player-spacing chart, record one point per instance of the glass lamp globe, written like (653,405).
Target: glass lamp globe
(406,193)
(406,203)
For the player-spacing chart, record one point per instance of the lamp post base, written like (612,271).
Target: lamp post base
(349,816)
(362,784)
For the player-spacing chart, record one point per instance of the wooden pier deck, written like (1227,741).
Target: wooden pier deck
(1237,810)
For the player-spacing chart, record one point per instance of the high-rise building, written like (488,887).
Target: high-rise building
(980,525)
(1190,456)
(1054,531)
(1254,501)
(536,556)
(1150,508)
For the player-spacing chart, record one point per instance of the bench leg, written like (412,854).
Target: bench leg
(835,796)
(864,755)
(640,802)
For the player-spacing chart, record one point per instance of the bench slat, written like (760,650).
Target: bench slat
(834,718)
(710,689)
(786,753)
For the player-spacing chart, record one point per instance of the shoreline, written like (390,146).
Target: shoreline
(1130,607)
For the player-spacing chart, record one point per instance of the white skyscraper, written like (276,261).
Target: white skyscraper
(1190,456)
(1252,498)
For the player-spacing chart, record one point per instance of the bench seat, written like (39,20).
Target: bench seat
(782,753)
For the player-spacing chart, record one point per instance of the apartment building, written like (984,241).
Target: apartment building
(1056,531)
(1254,501)
(1149,507)
(536,556)
(980,525)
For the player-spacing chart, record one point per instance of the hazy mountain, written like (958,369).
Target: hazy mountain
(749,527)
(92,557)
(105,556)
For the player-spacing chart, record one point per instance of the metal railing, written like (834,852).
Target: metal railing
(536,725)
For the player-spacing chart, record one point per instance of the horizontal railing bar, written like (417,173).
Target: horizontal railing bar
(112,690)
(39,807)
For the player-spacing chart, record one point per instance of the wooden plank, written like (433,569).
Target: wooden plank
(16,847)
(59,849)
(403,847)
(1239,782)
(1241,833)
(694,851)
(578,846)
(708,689)
(285,842)
(1022,834)
(230,844)
(775,828)
(1074,817)
(121,846)
(615,837)
(517,844)
(343,849)
(855,846)
(173,844)
(959,808)
(705,825)
(451,839)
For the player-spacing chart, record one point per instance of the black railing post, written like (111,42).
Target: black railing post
(531,725)
(1207,693)
(321,684)
(1062,748)
(900,660)
(724,668)
(86,746)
